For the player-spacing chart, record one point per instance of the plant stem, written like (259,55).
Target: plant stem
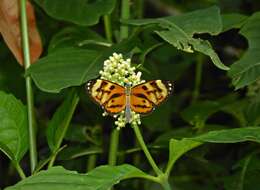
(108,28)
(91,162)
(166,185)
(20,170)
(29,92)
(125,14)
(198,76)
(145,149)
(112,157)
(65,123)
(139,8)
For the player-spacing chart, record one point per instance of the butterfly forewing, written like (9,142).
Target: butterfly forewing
(109,95)
(145,96)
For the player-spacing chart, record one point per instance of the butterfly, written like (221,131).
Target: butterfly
(142,98)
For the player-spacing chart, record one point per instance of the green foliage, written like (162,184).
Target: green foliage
(204,136)
(231,135)
(177,149)
(81,12)
(73,66)
(101,178)
(59,124)
(13,127)
(179,31)
(247,70)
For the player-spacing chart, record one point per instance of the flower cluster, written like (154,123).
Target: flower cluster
(119,70)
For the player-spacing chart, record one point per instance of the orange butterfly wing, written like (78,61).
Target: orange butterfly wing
(107,94)
(144,97)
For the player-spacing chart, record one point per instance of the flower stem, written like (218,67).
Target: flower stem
(125,14)
(29,92)
(108,27)
(112,157)
(198,76)
(145,149)
(92,159)
(20,170)
(166,185)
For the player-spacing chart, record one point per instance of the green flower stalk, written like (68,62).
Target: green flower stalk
(119,70)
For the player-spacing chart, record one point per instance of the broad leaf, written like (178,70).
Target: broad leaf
(179,30)
(180,147)
(73,66)
(60,121)
(10,29)
(231,135)
(13,127)
(57,178)
(247,69)
(81,12)
(64,68)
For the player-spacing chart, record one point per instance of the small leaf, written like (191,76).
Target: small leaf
(81,12)
(177,149)
(56,178)
(247,69)
(10,29)
(13,127)
(197,113)
(60,121)
(231,135)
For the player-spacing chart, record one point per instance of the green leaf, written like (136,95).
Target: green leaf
(73,152)
(64,68)
(13,127)
(57,178)
(231,135)
(197,113)
(233,20)
(247,69)
(245,174)
(81,12)
(75,37)
(179,30)
(72,66)
(252,111)
(180,147)
(177,149)
(60,121)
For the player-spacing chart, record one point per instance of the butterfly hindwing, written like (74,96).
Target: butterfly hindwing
(145,96)
(107,94)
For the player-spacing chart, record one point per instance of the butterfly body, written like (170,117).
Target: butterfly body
(142,98)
